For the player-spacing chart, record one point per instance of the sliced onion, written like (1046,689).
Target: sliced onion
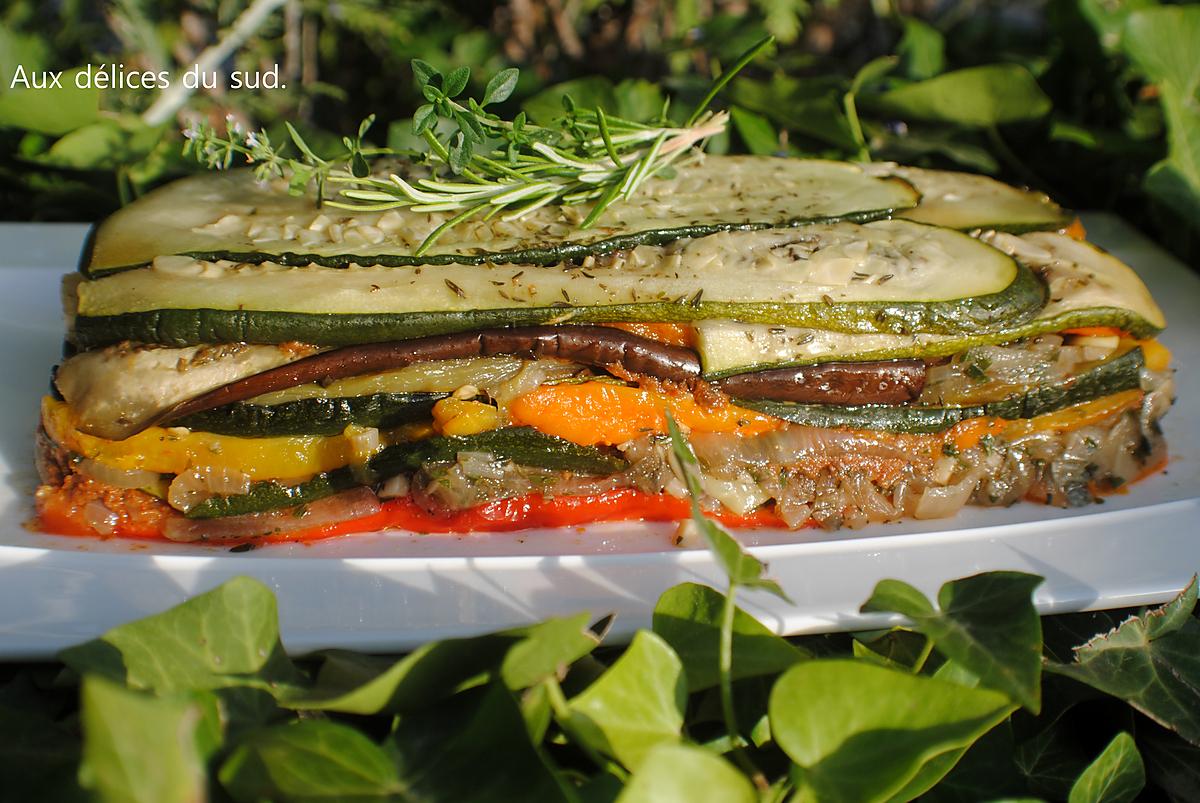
(741,494)
(395,487)
(532,374)
(940,502)
(943,469)
(197,484)
(481,465)
(100,518)
(788,446)
(364,442)
(118,477)
(1005,369)
(346,506)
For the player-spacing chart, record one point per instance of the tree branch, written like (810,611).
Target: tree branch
(174,97)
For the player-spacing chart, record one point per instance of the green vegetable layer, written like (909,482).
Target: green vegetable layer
(522,445)
(1112,376)
(313,416)
(179,327)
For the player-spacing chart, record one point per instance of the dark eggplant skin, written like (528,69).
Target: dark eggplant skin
(882,382)
(598,346)
(886,382)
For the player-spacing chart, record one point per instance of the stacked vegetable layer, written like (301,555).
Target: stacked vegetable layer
(843,344)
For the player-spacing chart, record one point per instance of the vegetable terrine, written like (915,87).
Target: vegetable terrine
(842,344)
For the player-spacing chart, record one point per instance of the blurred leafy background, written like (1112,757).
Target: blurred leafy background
(1095,101)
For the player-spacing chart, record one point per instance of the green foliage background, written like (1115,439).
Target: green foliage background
(1093,101)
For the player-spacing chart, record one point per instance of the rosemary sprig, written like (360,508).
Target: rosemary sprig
(478,163)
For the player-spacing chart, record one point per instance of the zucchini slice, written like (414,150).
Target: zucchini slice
(1109,377)
(1087,286)
(228,215)
(967,201)
(522,445)
(314,416)
(887,276)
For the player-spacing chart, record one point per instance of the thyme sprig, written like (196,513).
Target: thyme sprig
(479,164)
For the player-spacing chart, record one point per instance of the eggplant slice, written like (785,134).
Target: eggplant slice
(885,382)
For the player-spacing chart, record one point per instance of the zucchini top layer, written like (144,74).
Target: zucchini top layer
(230,216)
(967,201)
(887,276)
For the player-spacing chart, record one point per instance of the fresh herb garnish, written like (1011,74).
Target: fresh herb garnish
(479,164)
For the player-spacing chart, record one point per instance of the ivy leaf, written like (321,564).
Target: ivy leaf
(456,81)
(1116,776)
(871,72)
(546,649)
(985,771)
(914,143)
(552,101)
(677,773)
(922,49)
(501,86)
(688,617)
(1150,661)
(861,732)
(537,712)
(637,704)
(977,97)
(809,106)
(309,759)
(105,144)
(473,746)
(1109,19)
(39,756)
(54,111)
(987,623)
(638,99)
(1051,761)
(225,637)
(145,749)
(756,131)
(899,648)
(1172,763)
(424,71)
(353,684)
(1161,42)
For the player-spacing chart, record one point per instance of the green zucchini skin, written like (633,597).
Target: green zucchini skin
(522,445)
(1115,375)
(264,496)
(1015,304)
(544,255)
(1125,320)
(315,416)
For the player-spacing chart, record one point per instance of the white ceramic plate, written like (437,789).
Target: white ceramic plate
(391,591)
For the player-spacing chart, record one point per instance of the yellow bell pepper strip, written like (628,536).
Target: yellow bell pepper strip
(173,450)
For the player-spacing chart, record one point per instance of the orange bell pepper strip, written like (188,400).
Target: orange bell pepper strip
(672,334)
(594,413)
